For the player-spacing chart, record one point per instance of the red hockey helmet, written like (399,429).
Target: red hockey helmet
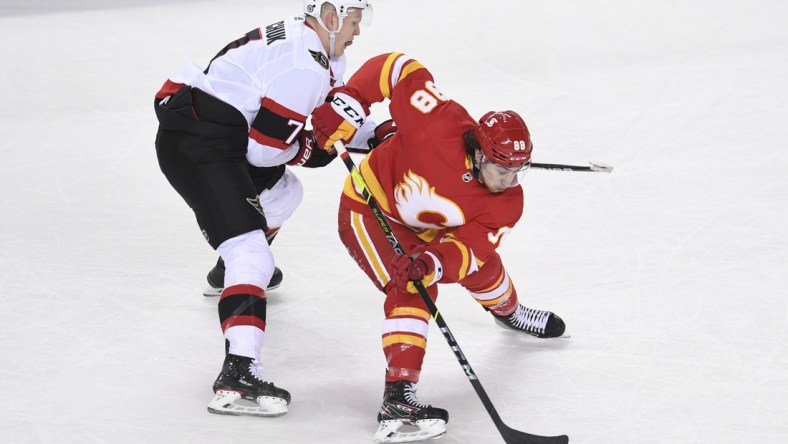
(504,139)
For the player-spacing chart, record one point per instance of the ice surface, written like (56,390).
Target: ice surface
(670,272)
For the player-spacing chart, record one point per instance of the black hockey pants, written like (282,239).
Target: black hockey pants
(201,148)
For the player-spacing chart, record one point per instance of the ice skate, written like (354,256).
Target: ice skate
(216,280)
(403,418)
(241,380)
(539,323)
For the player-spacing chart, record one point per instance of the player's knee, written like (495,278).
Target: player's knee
(248,259)
(281,201)
(486,276)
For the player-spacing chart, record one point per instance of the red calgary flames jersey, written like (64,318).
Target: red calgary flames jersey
(421,177)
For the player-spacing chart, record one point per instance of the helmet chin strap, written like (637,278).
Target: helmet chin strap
(332,35)
(475,168)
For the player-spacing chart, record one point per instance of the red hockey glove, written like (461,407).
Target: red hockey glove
(337,120)
(420,266)
(309,155)
(382,132)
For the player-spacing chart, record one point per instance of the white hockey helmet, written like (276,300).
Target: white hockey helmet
(312,7)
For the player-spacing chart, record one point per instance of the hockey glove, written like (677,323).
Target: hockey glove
(418,267)
(382,132)
(337,120)
(308,154)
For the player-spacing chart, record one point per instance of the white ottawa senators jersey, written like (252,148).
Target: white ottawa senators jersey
(276,76)
(421,177)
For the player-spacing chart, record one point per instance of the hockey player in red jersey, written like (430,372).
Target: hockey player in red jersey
(450,186)
(226,134)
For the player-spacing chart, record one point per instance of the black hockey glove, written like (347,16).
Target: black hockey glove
(381,133)
(309,155)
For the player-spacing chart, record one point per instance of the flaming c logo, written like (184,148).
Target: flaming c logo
(420,206)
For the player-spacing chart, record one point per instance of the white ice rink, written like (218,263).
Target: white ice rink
(671,272)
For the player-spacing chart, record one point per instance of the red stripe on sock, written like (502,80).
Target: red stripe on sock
(244,289)
(235,321)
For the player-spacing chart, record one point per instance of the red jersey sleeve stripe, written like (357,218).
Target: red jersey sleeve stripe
(281,110)
(262,139)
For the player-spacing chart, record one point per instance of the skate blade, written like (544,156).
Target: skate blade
(226,403)
(389,431)
(211,292)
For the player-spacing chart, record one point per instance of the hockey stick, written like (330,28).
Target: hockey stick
(510,435)
(594,166)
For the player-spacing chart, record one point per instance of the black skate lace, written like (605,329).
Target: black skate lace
(410,397)
(530,319)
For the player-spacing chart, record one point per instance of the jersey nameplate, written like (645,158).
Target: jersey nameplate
(274,32)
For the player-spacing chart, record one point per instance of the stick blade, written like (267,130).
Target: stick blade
(512,436)
(601,167)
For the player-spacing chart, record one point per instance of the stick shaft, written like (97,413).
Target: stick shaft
(593,167)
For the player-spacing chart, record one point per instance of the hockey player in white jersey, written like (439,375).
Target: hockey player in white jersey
(226,133)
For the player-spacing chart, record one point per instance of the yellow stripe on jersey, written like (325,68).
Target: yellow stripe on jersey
(495,285)
(464,253)
(385,74)
(368,247)
(350,191)
(405,339)
(413,66)
(395,68)
(496,301)
(430,234)
(410,311)
(373,186)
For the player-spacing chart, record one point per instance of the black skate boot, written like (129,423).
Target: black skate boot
(216,280)
(539,323)
(401,408)
(241,378)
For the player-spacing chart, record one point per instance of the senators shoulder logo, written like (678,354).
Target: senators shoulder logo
(320,58)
